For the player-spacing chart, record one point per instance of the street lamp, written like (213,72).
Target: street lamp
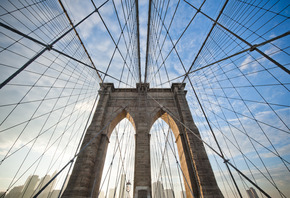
(128,187)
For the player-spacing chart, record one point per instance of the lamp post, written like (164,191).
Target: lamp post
(128,187)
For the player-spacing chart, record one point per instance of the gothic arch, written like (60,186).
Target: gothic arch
(160,113)
(117,118)
(182,147)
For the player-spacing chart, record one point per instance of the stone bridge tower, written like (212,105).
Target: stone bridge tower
(143,106)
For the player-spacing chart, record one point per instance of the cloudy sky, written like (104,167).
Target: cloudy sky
(245,96)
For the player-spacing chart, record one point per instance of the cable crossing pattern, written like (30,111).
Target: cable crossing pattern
(233,56)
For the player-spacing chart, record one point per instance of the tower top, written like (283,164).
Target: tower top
(144,87)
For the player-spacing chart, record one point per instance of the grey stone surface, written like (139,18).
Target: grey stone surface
(143,106)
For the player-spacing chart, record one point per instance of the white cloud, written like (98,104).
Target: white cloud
(246,62)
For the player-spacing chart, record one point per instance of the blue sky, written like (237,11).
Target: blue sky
(246,95)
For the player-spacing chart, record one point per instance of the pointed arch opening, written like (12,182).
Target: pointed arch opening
(118,168)
(168,168)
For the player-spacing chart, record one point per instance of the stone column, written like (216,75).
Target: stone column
(142,176)
(200,172)
(99,165)
(87,171)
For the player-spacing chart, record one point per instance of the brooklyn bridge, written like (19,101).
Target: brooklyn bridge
(144,98)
